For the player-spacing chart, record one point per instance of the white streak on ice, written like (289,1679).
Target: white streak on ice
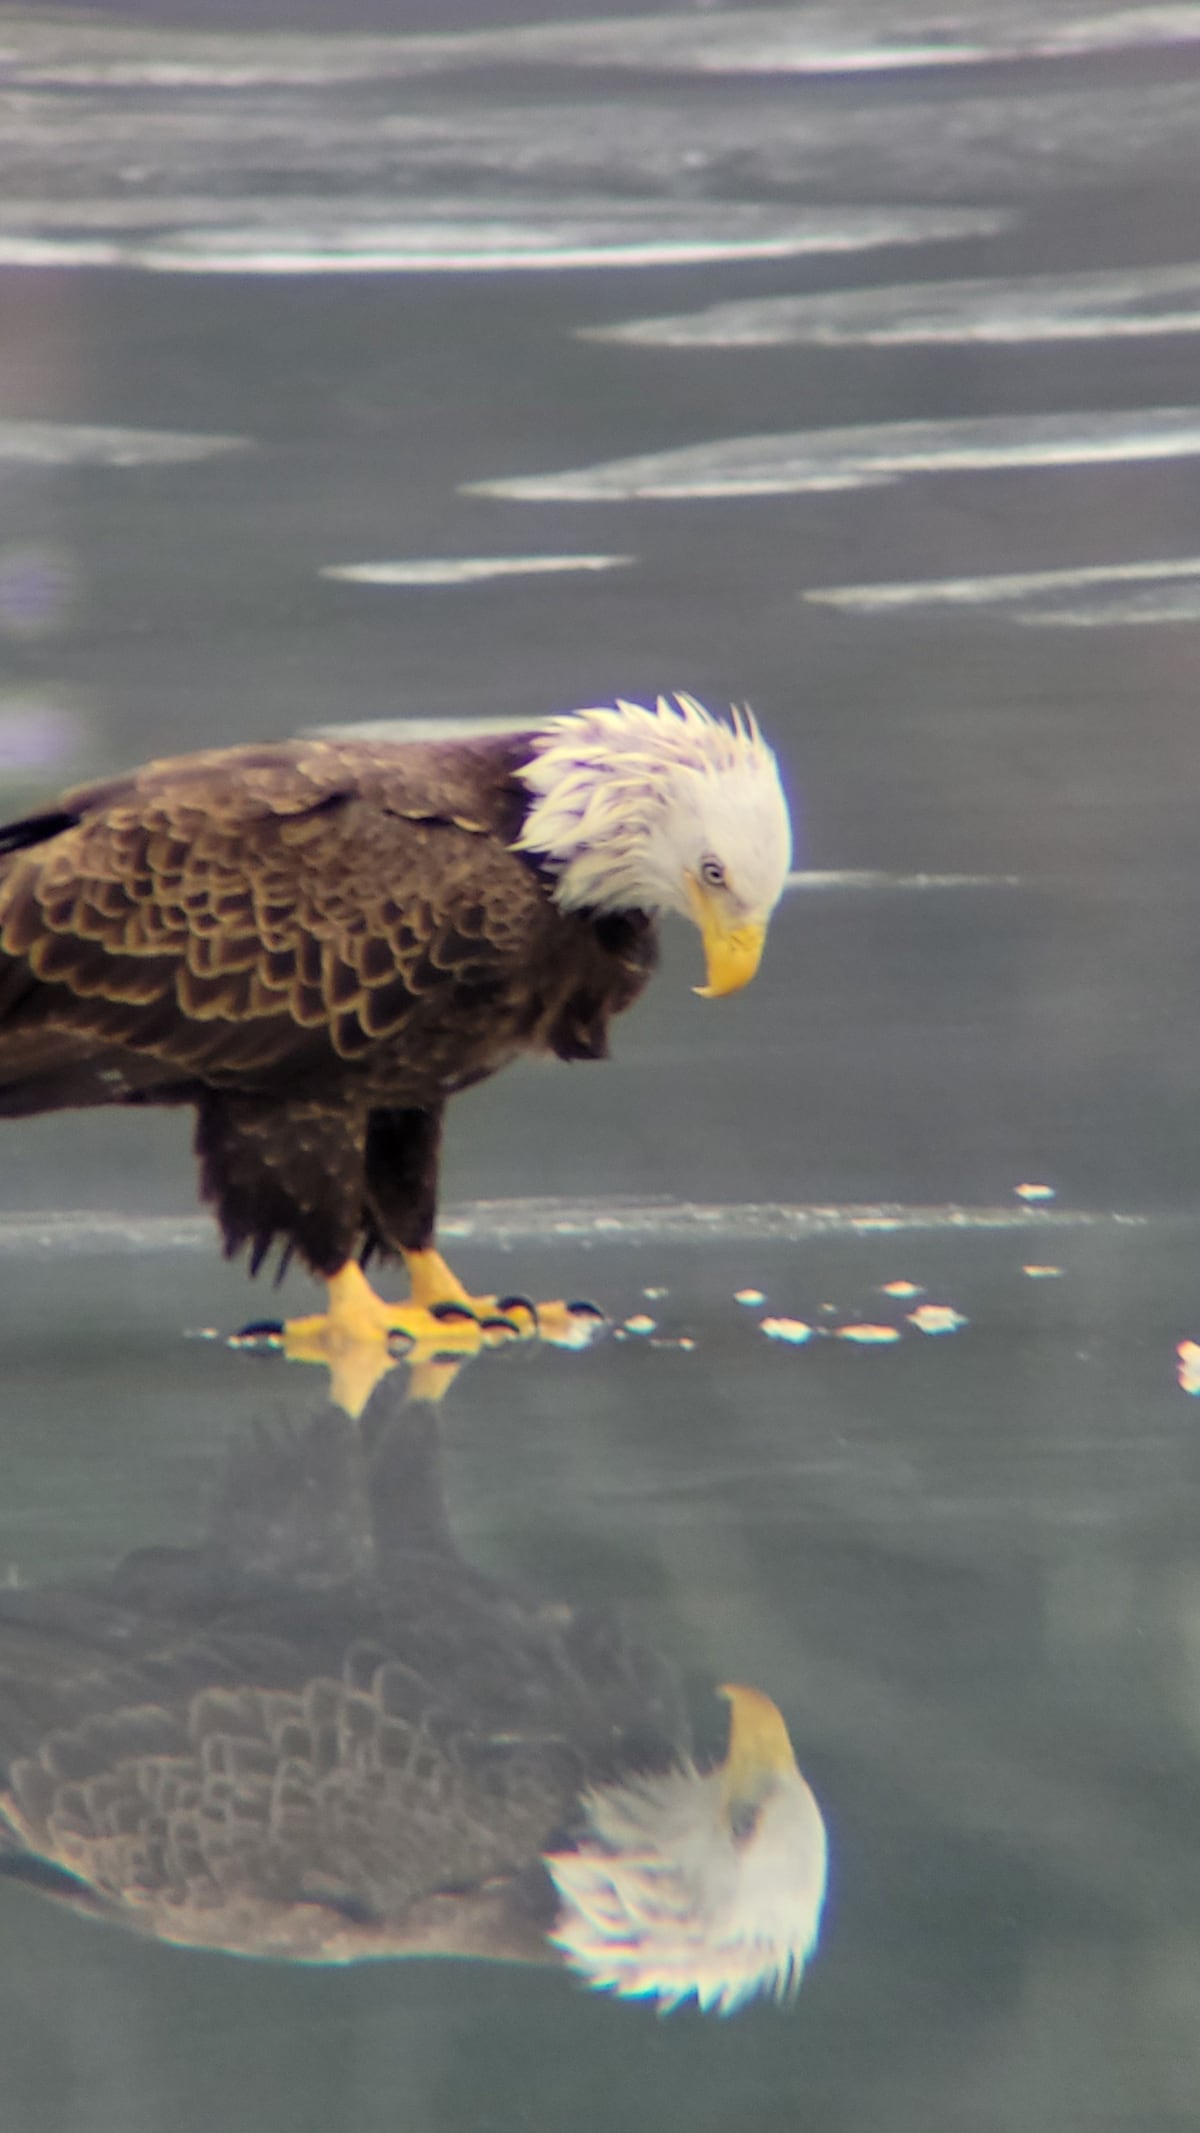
(80,444)
(1035,307)
(1013,585)
(864,456)
(291,235)
(1166,590)
(71,1234)
(1180,603)
(453,728)
(837,36)
(470,570)
(813,878)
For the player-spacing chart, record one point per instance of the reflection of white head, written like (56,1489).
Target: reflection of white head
(663,808)
(706,1885)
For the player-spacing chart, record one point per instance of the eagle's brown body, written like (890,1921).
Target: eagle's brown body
(321,1733)
(314,943)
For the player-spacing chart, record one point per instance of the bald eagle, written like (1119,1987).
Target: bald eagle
(318,943)
(322,1735)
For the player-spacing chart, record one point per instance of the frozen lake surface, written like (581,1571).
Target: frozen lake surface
(840,361)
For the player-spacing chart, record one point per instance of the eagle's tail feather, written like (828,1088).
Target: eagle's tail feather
(50,1070)
(34,829)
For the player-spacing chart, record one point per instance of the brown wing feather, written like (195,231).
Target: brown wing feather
(236,915)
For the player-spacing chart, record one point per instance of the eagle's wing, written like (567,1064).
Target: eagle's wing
(224,915)
(283,1736)
(294,1821)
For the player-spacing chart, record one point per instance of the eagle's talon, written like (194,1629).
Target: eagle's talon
(521,1313)
(506,1328)
(576,1324)
(453,1313)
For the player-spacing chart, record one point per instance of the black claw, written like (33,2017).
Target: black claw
(453,1314)
(521,1313)
(264,1337)
(579,1307)
(500,1325)
(400,1343)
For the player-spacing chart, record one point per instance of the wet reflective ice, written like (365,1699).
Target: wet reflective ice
(320,1735)
(815,358)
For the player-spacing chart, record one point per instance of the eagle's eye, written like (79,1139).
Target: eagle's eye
(743,1821)
(712,873)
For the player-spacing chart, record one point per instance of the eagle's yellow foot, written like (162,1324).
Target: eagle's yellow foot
(360,1337)
(559,1324)
(356,1315)
(436,1288)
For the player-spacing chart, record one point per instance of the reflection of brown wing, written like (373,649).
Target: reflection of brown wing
(320,1731)
(289,1822)
(232,915)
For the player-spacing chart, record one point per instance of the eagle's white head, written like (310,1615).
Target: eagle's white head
(706,1885)
(664,809)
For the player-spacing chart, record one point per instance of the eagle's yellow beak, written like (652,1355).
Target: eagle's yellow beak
(732,954)
(759,1748)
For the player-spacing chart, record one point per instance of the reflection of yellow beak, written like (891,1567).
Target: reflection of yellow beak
(732,954)
(759,1748)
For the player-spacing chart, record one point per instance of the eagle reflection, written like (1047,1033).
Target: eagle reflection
(322,1735)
